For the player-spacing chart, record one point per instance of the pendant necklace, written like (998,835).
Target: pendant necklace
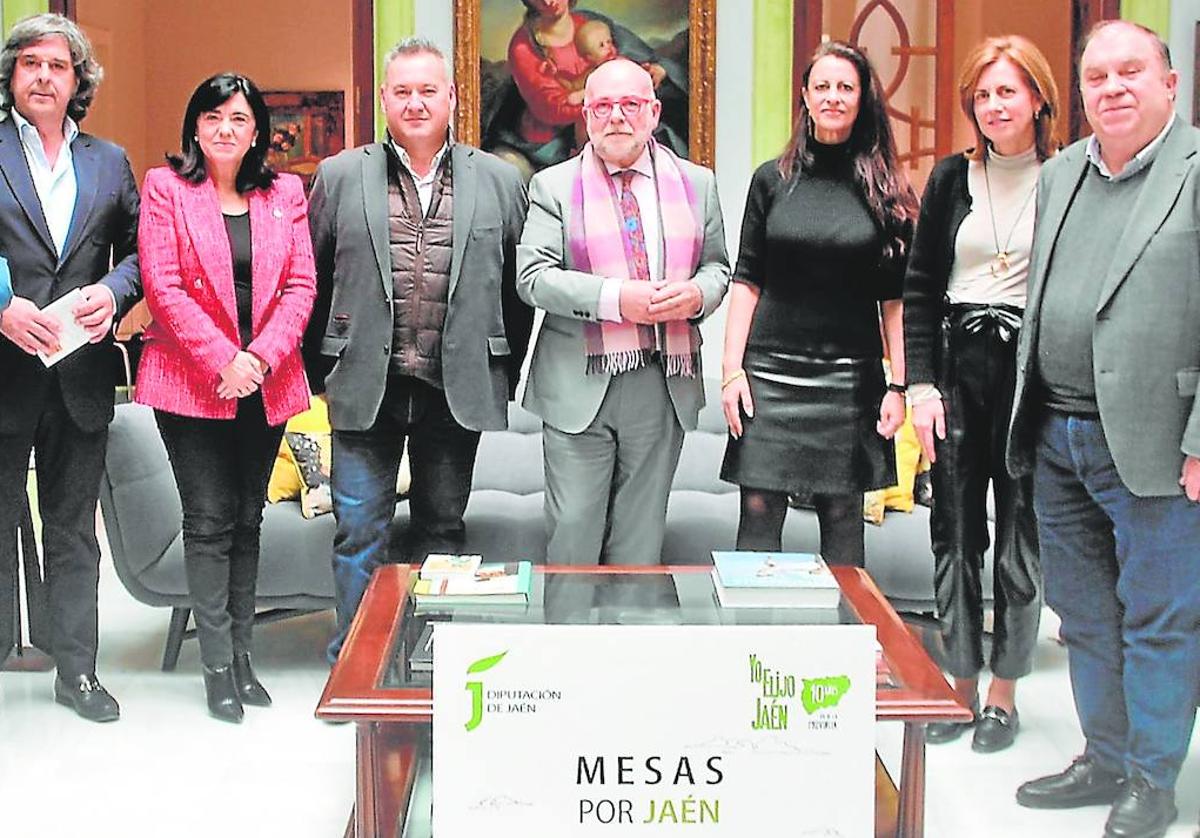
(1001,261)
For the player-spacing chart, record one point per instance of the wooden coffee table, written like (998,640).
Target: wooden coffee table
(392,707)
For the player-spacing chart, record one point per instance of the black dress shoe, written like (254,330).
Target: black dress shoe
(939,733)
(996,730)
(223,701)
(1083,783)
(249,690)
(1141,811)
(87,697)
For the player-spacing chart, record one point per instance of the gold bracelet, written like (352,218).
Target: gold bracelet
(732,377)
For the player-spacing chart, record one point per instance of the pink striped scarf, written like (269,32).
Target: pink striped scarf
(598,247)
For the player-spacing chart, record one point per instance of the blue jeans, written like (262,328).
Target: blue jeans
(1123,573)
(441,459)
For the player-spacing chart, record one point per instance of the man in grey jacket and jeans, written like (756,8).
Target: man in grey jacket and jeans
(417,332)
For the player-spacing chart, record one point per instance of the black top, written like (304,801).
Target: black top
(238,227)
(946,202)
(814,249)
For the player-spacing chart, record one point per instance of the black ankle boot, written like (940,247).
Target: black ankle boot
(249,690)
(223,701)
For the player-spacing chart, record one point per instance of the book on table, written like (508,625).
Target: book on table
(438,565)
(744,579)
(500,583)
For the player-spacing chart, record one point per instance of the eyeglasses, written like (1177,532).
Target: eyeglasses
(630,106)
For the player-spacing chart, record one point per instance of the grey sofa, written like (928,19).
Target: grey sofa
(141,512)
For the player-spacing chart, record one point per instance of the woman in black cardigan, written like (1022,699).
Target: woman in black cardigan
(964,296)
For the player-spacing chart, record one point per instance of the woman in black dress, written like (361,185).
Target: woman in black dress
(824,242)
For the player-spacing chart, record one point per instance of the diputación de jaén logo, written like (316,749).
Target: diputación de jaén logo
(475,688)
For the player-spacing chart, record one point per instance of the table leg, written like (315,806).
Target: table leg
(387,764)
(912,782)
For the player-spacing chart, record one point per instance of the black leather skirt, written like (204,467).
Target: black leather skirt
(813,430)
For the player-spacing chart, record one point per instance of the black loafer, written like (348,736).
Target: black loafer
(1083,783)
(85,695)
(996,730)
(1141,811)
(939,733)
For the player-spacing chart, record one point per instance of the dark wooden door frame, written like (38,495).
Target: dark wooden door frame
(807,20)
(362,24)
(362,53)
(1084,15)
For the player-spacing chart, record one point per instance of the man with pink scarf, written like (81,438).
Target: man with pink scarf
(624,251)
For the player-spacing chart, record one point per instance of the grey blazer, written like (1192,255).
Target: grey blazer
(1146,337)
(559,388)
(486,332)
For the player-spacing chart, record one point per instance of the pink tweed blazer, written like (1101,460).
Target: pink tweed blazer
(187,274)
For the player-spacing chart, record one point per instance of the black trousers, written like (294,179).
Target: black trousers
(979,368)
(221,468)
(69,464)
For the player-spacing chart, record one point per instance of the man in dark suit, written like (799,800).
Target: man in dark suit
(417,331)
(1105,415)
(68,222)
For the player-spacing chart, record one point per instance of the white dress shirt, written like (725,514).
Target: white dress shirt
(424,183)
(56,186)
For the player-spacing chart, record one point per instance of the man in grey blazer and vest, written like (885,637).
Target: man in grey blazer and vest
(417,331)
(1105,416)
(624,250)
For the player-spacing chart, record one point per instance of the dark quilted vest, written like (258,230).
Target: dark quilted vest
(420,250)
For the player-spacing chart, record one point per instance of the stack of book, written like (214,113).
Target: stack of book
(465,580)
(773,580)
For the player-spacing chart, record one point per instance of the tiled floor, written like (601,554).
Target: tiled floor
(167,769)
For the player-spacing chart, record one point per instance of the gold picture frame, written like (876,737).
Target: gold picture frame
(484,88)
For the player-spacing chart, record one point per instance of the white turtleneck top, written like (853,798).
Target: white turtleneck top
(1012,181)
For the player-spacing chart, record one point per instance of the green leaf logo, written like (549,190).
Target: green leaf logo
(484,664)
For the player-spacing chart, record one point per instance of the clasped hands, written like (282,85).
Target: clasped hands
(647,303)
(34,331)
(241,376)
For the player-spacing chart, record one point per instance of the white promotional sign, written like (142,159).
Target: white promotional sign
(653,730)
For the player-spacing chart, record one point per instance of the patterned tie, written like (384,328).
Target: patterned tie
(631,220)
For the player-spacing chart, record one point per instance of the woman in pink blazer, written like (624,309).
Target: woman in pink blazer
(228,273)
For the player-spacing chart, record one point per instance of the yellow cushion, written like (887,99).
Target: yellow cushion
(908,456)
(285,482)
(900,496)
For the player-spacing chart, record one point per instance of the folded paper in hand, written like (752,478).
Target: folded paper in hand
(72,335)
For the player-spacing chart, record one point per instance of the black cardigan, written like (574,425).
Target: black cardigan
(946,202)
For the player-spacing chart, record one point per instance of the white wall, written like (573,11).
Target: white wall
(735,35)
(1184,16)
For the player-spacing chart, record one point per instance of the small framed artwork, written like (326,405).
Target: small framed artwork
(520,68)
(306,127)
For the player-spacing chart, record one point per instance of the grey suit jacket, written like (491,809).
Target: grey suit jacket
(101,247)
(559,388)
(486,332)
(1146,336)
